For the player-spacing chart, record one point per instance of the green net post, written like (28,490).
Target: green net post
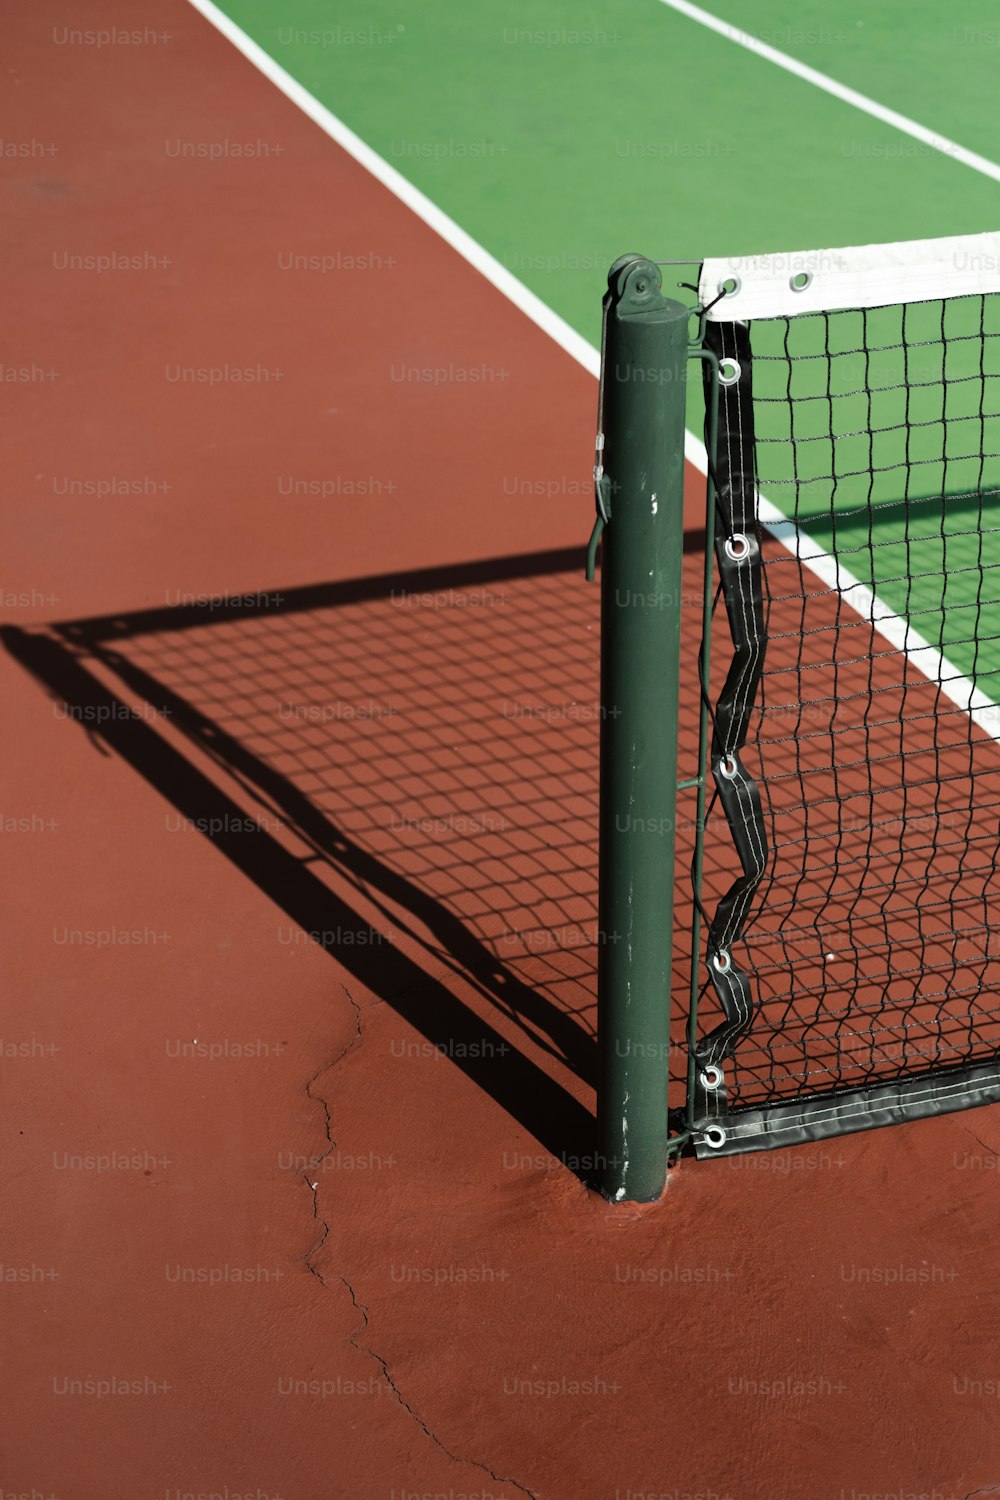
(642,494)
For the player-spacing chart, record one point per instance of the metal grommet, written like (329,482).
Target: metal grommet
(729,767)
(737,547)
(729,371)
(721,962)
(730,285)
(711,1077)
(715,1136)
(800,281)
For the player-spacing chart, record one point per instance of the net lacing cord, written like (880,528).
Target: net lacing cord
(741,586)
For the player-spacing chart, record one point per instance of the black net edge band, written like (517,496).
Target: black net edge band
(739,560)
(799,1122)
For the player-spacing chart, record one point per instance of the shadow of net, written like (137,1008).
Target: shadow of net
(435,749)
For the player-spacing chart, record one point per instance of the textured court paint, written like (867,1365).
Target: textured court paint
(223,1134)
(936,62)
(470,250)
(876,1252)
(668,140)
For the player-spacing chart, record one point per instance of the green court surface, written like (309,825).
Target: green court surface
(881,50)
(560,135)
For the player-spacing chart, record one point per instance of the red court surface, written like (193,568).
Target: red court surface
(301,895)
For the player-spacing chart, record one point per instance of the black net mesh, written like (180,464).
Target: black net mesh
(873,948)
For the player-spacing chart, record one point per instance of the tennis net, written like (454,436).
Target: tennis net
(853,962)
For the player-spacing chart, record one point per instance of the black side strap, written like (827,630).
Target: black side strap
(737,549)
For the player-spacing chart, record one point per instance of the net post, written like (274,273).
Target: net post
(641,496)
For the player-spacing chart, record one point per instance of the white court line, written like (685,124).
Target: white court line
(550,322)
(858,596)
(838,90)
(958,689)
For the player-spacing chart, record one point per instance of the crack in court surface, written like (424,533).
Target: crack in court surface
(360,1307)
